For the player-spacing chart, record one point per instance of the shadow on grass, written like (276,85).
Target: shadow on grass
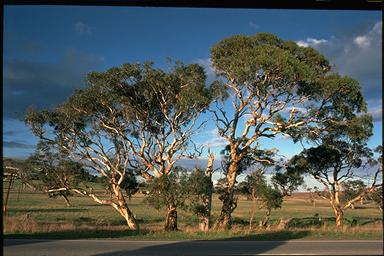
(47,210)
(361,221)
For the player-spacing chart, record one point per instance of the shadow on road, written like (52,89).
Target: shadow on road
(16,242)
(229,246)
(71,234)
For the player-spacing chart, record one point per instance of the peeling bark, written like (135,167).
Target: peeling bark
(171,218)
(229,202)
(264,222)
(339,213)
(66,200)
(123,209)
(205,219)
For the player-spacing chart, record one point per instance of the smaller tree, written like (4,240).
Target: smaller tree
(170,192)
(130,185)
(333,165)
(352,189)
(199,186)
(53,172)
(288,181)
(268,196)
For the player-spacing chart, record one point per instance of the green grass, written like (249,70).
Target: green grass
(34,215)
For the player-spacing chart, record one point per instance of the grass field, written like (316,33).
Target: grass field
(33,214)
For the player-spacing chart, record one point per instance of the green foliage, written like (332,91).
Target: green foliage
(168,189)
(353,188)
(251,157)
(241,57)
(130,184)
(288,181)
(54,170)
(270,197)
(199,187)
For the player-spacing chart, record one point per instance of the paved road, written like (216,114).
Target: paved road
(107,247)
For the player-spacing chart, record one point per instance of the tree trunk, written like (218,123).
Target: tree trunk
(264,222)
(205,219)
(362,200)
(229,202)
(339,213)
(171,218)
(123,209)
(253,211)
(66,200)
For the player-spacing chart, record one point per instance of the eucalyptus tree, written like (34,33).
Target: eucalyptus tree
(266,195)
(333,166)
(271,84)
(200,188)
(164,113)
(340,150)
(286,179)
(133,117)
(339,140)
(165,190)
(83,127)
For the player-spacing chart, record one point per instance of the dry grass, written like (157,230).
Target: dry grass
(32,213)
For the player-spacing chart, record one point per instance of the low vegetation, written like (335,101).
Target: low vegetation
(32,214)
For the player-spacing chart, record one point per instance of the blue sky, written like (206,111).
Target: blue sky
(48,51)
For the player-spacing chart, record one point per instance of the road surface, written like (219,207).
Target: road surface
(105,247)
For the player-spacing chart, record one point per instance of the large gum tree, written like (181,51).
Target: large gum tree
(275,87)
(164,110)
(85,128)
(133,117)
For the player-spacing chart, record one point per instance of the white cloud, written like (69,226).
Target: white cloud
(208,67)
(362,41)
(213,139)
(302,43)
(313,42)
(253,25)
(82,28)
(358,55)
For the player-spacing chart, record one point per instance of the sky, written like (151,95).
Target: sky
(49,50)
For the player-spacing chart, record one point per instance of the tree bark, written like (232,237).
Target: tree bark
(339,213)
(123,209)
(171,218)
(66,200)
(229,203)
(205,219)
(264,222)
